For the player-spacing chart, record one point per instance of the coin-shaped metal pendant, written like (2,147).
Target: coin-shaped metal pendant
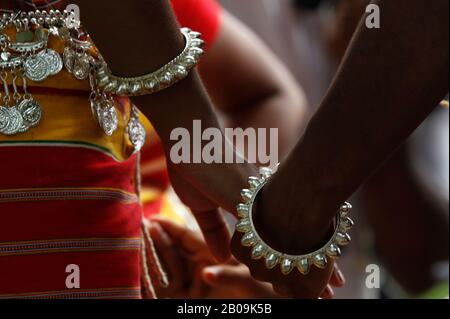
(81,66)
(15,122)
(36,68)
(54,61)
(31,112)
(137,134)
(108,118)
(4,119)
(69,59)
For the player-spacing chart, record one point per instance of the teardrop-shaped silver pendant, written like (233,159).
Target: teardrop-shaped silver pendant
(81,66)
(136,131)
(107,117)
(69,58)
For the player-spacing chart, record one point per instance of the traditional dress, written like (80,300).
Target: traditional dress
(70,195)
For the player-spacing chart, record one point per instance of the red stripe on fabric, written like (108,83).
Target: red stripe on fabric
(68,219)
(151,153)
(45,167)
(46,273)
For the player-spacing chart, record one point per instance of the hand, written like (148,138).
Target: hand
(294,232)
(318,283)
(195,274)
(206,187)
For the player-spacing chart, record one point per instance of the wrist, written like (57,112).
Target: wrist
(295,224)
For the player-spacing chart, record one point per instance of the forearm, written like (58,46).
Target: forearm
(282,111)
(390,81)
(137,38)
(251,86)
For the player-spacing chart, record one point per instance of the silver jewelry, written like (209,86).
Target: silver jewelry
(272,257)
(136,131)
(11,121)
(38,62)
(30,109)
(36,68)
(76,58)
(31,112)
(33,60)
(103,108)
(54,61)
(163,78)
(107,115)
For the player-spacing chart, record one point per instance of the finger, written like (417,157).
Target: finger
(310,286)
(226,275)
(295,285)
(237,279)
(189,241)
(174,264)
(242,254)
(283,291)
(337,278)
(199,288)
(216,233)
(328,293)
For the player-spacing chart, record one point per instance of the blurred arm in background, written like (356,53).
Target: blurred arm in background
(250,86)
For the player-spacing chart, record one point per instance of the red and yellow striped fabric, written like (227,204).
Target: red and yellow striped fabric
(69,195)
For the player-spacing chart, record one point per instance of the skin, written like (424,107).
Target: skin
(194,273)
(390,81)
(307,187)
(254,89)
(250,86)
(393,194)
(202,187)
(268,90)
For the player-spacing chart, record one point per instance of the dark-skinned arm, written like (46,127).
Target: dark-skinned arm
(390,81)
(137,38)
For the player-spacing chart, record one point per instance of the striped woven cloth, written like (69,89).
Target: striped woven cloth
(69,194)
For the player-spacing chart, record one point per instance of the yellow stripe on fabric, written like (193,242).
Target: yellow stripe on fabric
(67,116)
(149,195)
(69,119)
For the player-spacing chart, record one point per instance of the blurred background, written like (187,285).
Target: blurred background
(402,211)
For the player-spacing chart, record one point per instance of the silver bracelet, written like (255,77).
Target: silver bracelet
(168,75)
(28,57)
(272,257)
